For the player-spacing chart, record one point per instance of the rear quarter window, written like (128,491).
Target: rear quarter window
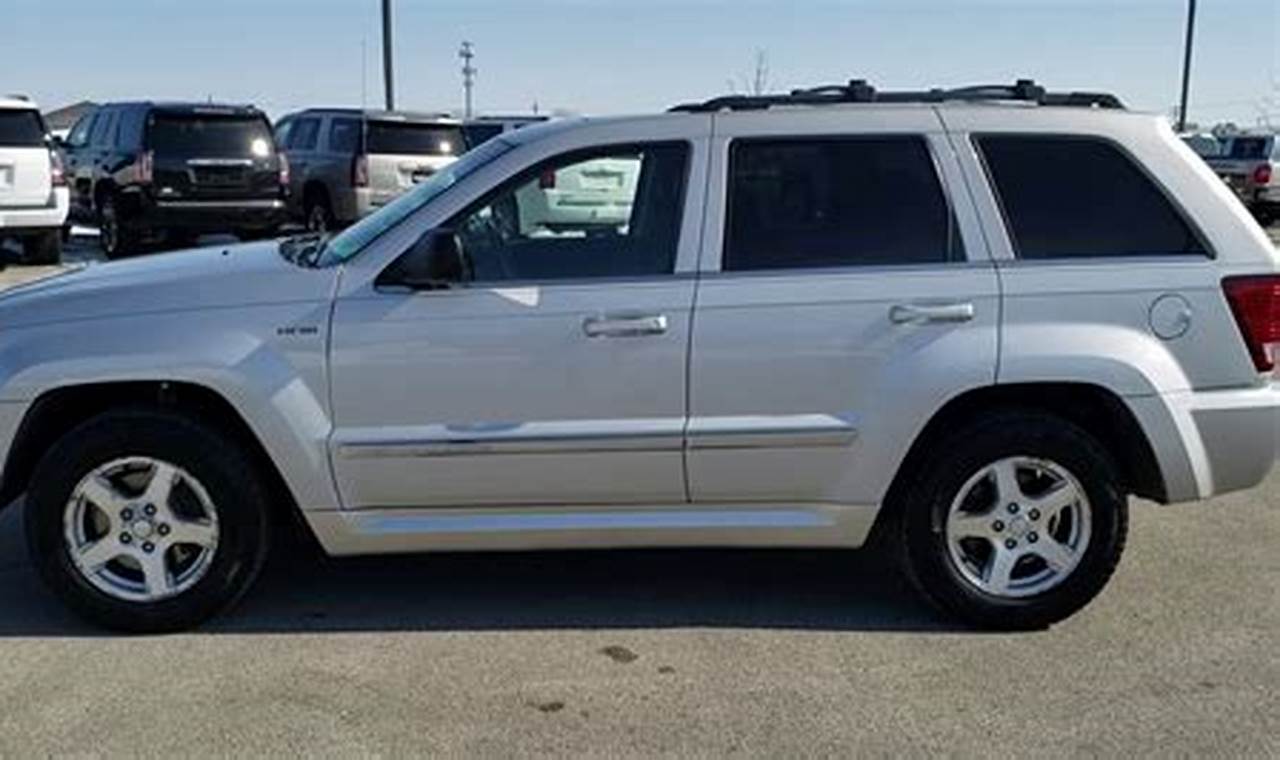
(1078,197)
(20,128)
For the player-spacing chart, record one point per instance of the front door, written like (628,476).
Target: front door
(553,371)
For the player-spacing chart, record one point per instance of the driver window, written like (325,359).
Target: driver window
(605,213)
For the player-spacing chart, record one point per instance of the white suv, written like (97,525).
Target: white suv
(33,192)
(825,318)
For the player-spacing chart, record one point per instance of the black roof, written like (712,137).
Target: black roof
(859,91)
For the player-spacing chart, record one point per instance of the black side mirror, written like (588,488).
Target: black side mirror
(435,262)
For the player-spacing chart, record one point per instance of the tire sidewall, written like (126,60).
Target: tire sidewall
(214,461)
(1034,436)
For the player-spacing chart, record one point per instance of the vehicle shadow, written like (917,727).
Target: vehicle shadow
(302,591)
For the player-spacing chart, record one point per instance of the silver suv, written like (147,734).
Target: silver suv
(827,319)
(346,163)
(1249,163)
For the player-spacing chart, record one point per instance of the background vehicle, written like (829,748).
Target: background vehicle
(140,170)
(485,128)
(825,318)
(1250,164)
(33,191)
(347,163)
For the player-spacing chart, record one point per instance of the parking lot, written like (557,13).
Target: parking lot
(647,653)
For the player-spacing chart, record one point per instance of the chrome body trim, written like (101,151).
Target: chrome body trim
(802,430)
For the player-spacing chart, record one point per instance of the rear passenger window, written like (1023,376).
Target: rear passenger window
(344,136)
(800,203)
(303,133)
(1067,197)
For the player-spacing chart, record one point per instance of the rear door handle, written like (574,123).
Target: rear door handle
(625,327)
(920,314)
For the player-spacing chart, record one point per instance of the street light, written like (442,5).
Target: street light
(1186,66)
(386,55)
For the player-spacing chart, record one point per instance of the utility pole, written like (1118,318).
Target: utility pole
(386,55)
(467,53)
(1186,66)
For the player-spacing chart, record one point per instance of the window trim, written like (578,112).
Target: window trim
(939,175)
(975,142)
(600,151)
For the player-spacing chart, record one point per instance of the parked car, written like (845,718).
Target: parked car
(830,318)
(349,162)
(33,191)
(178,170)
(1250,164)
(483,129)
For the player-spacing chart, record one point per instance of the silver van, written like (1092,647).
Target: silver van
(346,163)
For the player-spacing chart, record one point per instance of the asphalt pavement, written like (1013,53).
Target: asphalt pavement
(690,653)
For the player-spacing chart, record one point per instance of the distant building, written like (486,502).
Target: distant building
(63,119)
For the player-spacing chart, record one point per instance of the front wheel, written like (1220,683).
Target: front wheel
(147,521)
(1017,522)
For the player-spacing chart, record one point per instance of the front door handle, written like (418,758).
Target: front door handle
(920,314)
(625,327)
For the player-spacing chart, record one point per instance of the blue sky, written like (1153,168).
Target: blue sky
(607,56)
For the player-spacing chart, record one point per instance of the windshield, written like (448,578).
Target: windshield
(409,139)
(209,135)
(354,239)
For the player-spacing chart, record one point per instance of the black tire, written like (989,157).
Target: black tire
(119,239)
(224,470)
(922,510)
(44,248)
(318,213)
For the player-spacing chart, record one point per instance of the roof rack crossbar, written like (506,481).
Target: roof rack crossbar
(859,91)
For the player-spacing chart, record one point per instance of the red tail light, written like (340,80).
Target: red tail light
(284,169)
(56,173)
(1262,175)
(145,167)
(1255,302)
(360,171)
(547,180)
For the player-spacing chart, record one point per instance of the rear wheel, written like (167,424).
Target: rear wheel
(1018,522)
(44,248)
(319,215)
(118,238)
(147,521)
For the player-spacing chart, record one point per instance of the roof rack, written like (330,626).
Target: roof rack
(859,91)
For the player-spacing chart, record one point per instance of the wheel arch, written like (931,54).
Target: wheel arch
(59,411)
(1094,408)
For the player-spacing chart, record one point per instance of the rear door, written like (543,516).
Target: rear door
(25,178)
(403,153)
(846,294)
(213,154)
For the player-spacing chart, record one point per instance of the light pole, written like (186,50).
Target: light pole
(468,53)
(1186,66)
(386,55)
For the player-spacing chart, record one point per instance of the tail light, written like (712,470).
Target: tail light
(360,171)
(57,175)
(144,168)
(1255,302)
(1262,175)
(284,169)
(547,180)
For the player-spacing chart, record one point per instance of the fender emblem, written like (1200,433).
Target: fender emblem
(291,331)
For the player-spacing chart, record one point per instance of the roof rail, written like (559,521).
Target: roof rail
(859,91)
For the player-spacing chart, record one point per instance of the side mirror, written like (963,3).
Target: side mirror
(435,262)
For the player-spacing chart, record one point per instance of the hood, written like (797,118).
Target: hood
(215,277)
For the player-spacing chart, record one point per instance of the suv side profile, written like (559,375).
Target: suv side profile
(33,192)
(176,170)
(348,163)
(835,318)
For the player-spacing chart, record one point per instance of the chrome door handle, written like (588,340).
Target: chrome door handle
(625,327)
(920,314)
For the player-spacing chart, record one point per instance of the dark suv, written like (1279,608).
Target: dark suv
(144,170)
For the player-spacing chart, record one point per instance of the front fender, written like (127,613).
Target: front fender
(266,361)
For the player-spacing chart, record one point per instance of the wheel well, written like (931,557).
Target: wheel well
(58,412)
(314,191)
(1097,410)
